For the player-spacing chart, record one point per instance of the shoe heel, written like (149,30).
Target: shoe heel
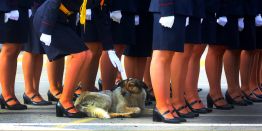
(2,105)
(59,112)
(209,102)
(49,97)
(156,117)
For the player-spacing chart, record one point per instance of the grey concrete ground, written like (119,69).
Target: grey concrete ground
(43,118)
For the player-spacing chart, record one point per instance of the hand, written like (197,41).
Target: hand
(167,21)
(115,60)
(258,20)
(29,13)
(46,39)
(137,20)
(241,24)
(116,16)
(13,15)
(222,21)
(88,14)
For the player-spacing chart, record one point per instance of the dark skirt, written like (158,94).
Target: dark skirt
(248,35)
(144,36)
(32,45)
(98,29)
(229,34)
(259,37)
(209,30)
(65,41)
(15,31)
(124,33)
(169,39)
(193,31)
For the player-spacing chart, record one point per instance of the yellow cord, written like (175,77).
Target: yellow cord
(83,13)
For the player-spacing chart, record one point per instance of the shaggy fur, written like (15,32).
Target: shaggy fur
(127,100)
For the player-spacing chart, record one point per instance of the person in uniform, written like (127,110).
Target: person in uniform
(168,46)
(227,45)
(14,23)
(54,22)
(259,41)
(98,37)
(249,57)
(32,65)
(136,55)
(123,33)
(192,56)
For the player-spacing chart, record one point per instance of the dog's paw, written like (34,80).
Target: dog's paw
(137,110)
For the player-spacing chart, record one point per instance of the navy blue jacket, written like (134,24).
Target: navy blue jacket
(251,7)
(131,6)
(36,4)
(143,6)
(179,7)
(231,8)
(198,8)
(9,5)
(49,14)
(212,6)
(154,6)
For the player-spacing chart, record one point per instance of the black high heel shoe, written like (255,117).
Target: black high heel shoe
(259,96)
(17,106)
(233,101)
(100,85)
(52,97)
(158,117)
(203,110)
(150,98)
(187,115)
(30,101)
(252,97)
(211,102)
(61,112)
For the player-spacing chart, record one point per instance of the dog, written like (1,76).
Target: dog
(126,100)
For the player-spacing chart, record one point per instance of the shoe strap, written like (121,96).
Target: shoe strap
(70,108)
(58,93)
(181,108)
(256,89)
(195,102)
(34,96)
(78,88)
(236,97)
(11,99)
(219,99)
(165,113)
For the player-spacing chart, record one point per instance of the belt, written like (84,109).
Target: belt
(65,10)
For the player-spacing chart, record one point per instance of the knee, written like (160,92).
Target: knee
(162,57)
(10,52)
(217,51)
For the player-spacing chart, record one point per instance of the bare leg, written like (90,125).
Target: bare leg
(191,88)
(108,72)
(8,65)
(213,67)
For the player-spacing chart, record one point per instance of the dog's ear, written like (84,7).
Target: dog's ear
(142,84)
(122,83)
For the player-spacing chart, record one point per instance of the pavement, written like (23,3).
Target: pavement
(43,118)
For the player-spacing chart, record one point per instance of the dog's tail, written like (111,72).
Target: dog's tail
(96,112)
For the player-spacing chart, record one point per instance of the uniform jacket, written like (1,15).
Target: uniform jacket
(131,6)
(154,6)
(198,8)
(49,14)
(212,6)
(231,8)
(179,7)
(250,7)
(9,5)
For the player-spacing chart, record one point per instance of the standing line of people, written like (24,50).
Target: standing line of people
(162,42)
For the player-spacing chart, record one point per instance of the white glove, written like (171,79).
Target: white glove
(115,60)
(187,21)
(222,21)
(241,24)
(167,21)
(201,20)
(258,20)
(88,14)
(29,13)
(116,16)
(13,15)
(137,20)
(46,39)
